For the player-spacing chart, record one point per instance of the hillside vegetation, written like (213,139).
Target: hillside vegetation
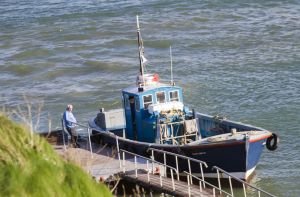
(27,170)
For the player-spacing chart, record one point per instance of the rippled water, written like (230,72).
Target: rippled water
(236,58)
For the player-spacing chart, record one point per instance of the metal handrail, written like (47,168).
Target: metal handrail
(84,126)
(148,171)
(241,181)
(189,159)
(216,168)
(180,156)
(206,183)
(146,158)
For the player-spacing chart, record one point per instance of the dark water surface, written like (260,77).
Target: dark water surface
(236,58)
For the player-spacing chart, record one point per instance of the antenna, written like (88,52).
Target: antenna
(172,82)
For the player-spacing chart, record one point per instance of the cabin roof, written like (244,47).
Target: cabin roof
(134,89)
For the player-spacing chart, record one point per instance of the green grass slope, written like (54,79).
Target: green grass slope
(37,170)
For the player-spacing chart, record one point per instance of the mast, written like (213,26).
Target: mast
(142,58)
(140,46)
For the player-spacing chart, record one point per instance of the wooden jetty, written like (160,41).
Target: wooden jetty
(106,163)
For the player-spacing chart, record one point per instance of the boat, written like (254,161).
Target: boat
(154,116)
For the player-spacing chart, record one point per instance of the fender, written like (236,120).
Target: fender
(272,142)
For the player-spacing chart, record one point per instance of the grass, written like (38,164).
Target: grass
(36,170)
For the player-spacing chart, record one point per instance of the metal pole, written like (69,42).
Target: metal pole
(200,185)
(165,164)
(201,168)
(173,184)
(148,172)
(214,192)
(118,149)
(177,167)
(152,160)
(160,178)
(244,188)
(124,162)
(230,184)
(89,136)
(63,133)
(124,135)
(190,170)
(135,166)
(172,82)
(219,181)
(189,187)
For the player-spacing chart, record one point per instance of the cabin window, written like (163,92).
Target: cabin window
(137,104)
(160,97)
(174,96)
(126,101)
(147,100)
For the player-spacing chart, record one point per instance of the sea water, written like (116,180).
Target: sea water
(240,59)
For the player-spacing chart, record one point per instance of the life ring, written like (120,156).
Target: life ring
(272,142)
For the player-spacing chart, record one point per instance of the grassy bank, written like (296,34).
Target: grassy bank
(36,170)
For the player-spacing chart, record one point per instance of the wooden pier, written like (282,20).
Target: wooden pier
(105,163)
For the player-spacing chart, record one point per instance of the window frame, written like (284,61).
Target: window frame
(165,98)
(170,99)
(149,103)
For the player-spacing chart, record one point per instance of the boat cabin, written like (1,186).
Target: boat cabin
(154,112)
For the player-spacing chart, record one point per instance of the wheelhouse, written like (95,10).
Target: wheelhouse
(142,106)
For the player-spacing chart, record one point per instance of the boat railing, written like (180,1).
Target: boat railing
(245,184)
(87,127)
